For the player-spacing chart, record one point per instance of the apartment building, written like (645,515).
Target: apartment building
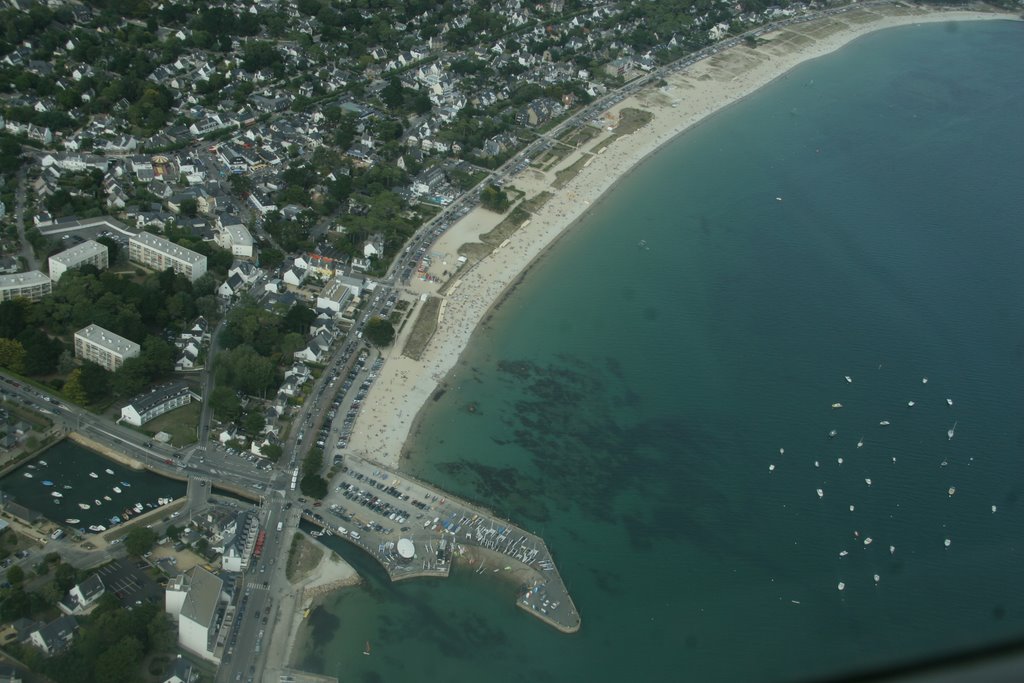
(159,254)
(89,252)
(103,347)
(32,285)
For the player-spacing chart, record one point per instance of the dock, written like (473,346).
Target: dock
(415,530)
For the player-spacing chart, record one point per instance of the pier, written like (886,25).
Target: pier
(415,530)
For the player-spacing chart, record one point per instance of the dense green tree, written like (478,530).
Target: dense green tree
(393,94)
(95,382)
(494,199)
(73,389)
(10,155)
(290,343)
(271,258)
(13,318)
(253,422)
(16,604)
(120,663)
(12,355)
(157,356)
(379,332)
(130,378)
(139,540)
(225,404)
(299,318)
(16,575)
(272,452)
(313,486)
(41,352)
(244,369)
(313,462)
(65,577)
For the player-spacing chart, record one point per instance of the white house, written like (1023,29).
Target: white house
(55,636)
(295,276)
(82,598)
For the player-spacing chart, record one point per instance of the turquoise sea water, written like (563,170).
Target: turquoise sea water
(630,401)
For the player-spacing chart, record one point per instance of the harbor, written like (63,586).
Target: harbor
(76,487)
(414,530)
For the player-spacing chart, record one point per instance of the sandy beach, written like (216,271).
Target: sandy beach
(690,96)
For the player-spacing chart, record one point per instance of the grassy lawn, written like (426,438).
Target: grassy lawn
(303,557)
(488,241)
(566,174)
(423,329)
(181,424)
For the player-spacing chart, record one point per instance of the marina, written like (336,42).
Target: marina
(414,530)
(63,483)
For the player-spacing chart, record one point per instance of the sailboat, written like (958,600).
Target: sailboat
(951,431)
(366,650)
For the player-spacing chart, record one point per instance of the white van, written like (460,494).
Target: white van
(280,525)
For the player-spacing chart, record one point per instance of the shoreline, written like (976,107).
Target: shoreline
(105,451)
(307,593)
(404,387)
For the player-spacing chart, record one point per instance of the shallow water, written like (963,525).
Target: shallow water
(629,402)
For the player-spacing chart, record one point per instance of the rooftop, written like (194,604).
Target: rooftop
(108,340)
(167,247)
(157,395)
(79,252)
(27,279)
(202,598)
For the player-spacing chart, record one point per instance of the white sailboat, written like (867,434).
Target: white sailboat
(951,431)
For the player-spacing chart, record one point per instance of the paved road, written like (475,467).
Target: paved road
(27,252)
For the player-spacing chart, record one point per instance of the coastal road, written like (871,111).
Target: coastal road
(262,583)
(137,446)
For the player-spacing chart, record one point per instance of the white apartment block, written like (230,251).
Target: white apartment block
(159,254)
(236,238)
(89,252)
(33,285)
(196,601)
(103,347)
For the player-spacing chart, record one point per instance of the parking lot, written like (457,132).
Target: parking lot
(127,580)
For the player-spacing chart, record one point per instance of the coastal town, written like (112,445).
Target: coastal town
(241,246)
